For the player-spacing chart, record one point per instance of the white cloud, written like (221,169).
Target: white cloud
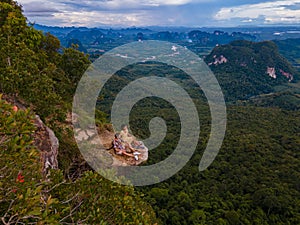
(275,12)
(167,2)
(160,12)
(105,12)
(93,18)
(110,4)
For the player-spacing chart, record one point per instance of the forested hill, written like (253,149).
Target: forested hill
(290,48)
(246,69)
(37,71)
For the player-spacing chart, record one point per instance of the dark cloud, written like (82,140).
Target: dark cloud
(39,8)
(33,15)
(104,5)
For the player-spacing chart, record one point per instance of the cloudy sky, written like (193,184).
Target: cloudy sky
(193,13)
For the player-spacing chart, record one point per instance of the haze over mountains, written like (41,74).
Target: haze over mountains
(174,33)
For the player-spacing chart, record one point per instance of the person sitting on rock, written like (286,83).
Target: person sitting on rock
(120,148)
(129,139)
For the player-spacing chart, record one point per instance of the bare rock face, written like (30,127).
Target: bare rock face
(48,144)
(107,138)
(218,60)
(105,149)
(44,138)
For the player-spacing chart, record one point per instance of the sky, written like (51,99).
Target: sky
(188,13)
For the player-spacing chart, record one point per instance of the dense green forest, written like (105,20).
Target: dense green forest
(290,48)
(255,179)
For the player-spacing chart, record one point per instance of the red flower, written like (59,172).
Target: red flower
(15,108)
(20,178)
(14,190)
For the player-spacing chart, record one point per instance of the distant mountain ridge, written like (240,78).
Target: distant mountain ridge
(95,37)
(244,67)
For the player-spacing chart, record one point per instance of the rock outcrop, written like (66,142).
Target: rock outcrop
(107,136)
(44,138)
(48,144)
(218,60)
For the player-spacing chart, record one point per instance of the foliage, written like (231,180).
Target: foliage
(74,63)
(244,75)
(36,69)
(20,186)
(284,100)
(290,48)
(32,67)
(26,198)
(92,199)
(254,179)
